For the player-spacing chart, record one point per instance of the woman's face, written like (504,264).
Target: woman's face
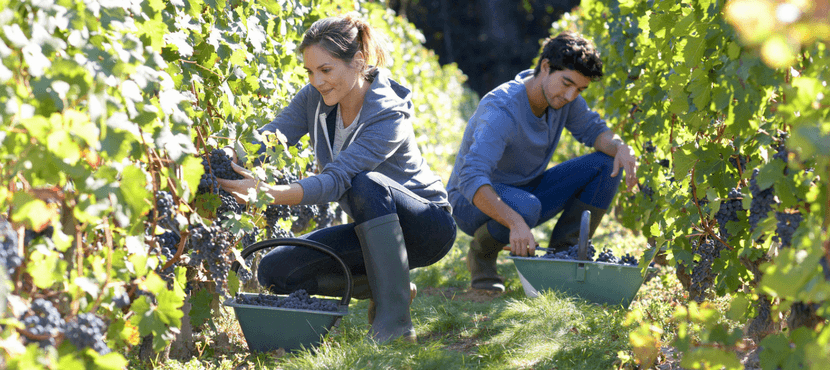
(332,77)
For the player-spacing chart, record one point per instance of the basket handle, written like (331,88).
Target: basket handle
(584,231)
(249,250)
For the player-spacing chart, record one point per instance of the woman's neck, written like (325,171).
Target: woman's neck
(352,102)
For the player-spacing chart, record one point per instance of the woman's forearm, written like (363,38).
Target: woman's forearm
(291,194)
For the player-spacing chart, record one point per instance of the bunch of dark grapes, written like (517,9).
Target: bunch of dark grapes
(164,204)
(9,256)
(573,253)
(169,243)
(44,321)
(210,247)
(607,256)
(648,147)
(218,165)
(762,201)
(87,331)
(121,300)
(274,213)
(32,235)
(305,214)
(647,191)
(164,211)
(299,300)
(664,162)
(739,163)
(703,277)
(628,260)
(325,215)
(229,204)
(728,210)
(787,224)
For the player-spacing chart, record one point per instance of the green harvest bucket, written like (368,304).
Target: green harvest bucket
(269,328)
(593,281)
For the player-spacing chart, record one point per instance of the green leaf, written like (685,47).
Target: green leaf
(769,174)
(111,361)
(684,159)
(46,267)
(145,318)
(133,190)
(192,171)
(233,283)
(32,212)
(710,358)
(200,307)
(693,51)
(153,32)
(169,308)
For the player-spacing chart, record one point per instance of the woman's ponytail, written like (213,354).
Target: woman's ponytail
(371,42)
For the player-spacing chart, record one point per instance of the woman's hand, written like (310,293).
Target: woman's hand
(240,188)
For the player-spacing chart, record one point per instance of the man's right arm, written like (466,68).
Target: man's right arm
(488,201)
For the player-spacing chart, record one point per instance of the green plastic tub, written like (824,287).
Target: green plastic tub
(593,281)
(269,328)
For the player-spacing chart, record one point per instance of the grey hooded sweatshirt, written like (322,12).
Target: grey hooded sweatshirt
(383,141)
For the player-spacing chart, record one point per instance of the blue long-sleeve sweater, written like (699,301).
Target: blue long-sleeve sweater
(383,141)
(505,143)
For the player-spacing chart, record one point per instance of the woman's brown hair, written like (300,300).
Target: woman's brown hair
(343,36)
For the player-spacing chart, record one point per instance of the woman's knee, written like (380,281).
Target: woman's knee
(367,192)
(277,276)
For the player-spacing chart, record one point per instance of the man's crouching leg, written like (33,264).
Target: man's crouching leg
(481,261)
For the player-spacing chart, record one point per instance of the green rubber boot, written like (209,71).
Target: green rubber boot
(481,261)
(387,267)
(566,231)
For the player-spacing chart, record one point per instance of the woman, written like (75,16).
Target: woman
(360,126)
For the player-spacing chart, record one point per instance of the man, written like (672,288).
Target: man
(500,188)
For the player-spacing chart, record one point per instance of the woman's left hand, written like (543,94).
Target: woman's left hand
(242,187)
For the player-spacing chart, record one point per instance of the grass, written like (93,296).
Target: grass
(460,328)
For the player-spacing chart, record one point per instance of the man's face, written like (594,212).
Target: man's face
(562,87)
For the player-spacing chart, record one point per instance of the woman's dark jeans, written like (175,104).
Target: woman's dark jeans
(587,178)
(429,233)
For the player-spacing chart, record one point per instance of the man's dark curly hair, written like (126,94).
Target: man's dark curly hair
(569,50)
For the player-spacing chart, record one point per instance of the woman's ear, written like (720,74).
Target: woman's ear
(359,60)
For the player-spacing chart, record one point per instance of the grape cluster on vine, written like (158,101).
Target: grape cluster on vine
(787,224)
(87,330)
(274,213)
(9,254)
(210,246)
(44,321)
(304,215)
(739,162)
(298,299)
(728,210)
(762,201)
(703,277)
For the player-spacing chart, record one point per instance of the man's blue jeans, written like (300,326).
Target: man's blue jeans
(587,178)
(429,233)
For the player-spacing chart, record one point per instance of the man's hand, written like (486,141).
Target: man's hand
(522,242)
(626,160)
